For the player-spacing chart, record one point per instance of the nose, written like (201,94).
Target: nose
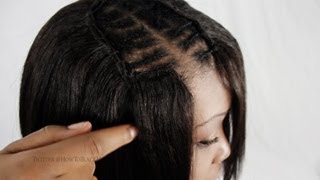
(223,150)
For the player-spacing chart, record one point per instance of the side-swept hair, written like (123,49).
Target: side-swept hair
(130,61)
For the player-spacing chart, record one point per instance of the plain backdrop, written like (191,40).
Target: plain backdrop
(281,44)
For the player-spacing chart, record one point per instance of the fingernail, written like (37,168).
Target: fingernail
(78,125)
(133,131)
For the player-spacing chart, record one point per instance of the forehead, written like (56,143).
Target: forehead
(210,96)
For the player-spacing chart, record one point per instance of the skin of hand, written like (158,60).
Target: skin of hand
(60,152)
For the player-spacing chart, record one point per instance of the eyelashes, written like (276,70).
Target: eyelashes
(207,143)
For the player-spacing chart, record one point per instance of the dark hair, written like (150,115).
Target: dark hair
(120,61)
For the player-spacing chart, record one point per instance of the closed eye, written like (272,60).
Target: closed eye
(206,143)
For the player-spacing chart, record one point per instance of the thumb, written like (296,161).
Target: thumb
(47,135)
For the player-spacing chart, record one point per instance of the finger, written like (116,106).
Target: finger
(99,143)
(47,135)
(90,146)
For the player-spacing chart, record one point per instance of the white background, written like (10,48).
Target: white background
(281,44)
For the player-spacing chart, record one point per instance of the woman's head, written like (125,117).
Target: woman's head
(158,64)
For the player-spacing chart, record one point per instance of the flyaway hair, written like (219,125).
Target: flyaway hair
(131,61)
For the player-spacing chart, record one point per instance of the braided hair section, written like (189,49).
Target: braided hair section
(147,36)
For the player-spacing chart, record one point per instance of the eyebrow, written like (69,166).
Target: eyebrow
(211,118)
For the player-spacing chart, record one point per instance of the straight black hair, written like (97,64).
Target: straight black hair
(121,61)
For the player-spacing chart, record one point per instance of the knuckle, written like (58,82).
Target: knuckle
(93,147)
(51,132)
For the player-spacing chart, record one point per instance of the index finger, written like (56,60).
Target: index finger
(94,145)
(101,142)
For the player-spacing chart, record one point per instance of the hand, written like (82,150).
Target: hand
(59,152)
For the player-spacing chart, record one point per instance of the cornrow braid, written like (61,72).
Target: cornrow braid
(122,66)
(142,38)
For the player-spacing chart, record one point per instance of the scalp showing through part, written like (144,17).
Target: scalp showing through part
(147,35)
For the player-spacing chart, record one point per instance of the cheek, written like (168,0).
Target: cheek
(202,163)
(203,168)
